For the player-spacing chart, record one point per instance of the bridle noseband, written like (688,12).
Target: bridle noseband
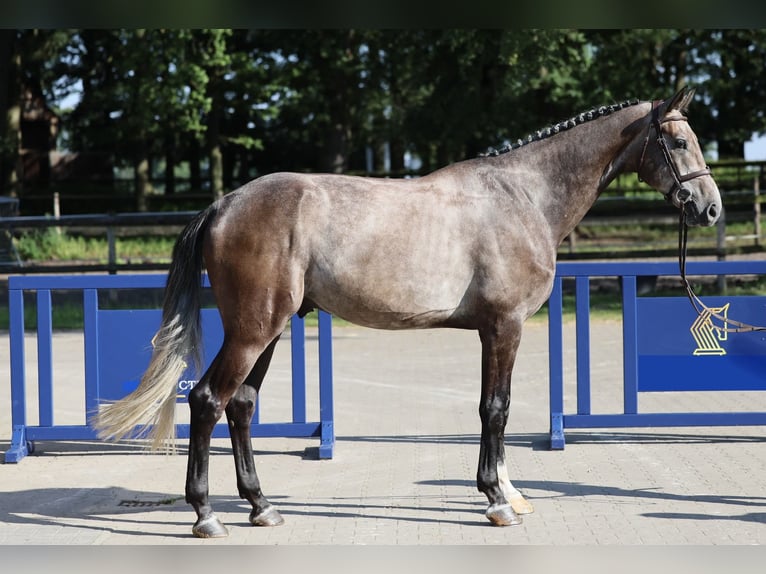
(678,178)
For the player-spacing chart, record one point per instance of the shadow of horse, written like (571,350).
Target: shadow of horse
(128,512)
(157,514)
(563,490)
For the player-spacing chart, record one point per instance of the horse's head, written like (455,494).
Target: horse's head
(672,162)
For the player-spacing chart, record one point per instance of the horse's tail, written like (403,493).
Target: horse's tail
(149,411)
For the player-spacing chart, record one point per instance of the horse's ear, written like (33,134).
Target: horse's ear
(680,101)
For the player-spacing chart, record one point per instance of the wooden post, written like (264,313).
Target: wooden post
(720,250)
(57,209)
(757,209)
(572,241)
(112,248)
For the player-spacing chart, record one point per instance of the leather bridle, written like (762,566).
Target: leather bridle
(697,303)
(678,178)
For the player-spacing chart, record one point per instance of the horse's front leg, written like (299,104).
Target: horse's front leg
(500,342)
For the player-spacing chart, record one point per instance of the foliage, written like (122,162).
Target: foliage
(234,104)
(58,245)
(55,245)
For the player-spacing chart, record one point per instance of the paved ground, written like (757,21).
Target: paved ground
(403,473)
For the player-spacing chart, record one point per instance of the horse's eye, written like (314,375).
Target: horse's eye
(681,143)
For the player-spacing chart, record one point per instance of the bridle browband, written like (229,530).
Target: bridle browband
(678,181)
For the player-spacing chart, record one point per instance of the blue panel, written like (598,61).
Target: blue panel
(678,350)
(735,373)
(125,348)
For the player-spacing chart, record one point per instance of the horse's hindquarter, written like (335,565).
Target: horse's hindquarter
(417,253)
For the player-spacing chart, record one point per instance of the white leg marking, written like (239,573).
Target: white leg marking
(513,496)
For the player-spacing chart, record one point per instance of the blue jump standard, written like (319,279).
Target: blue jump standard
(667,346)
(117,350)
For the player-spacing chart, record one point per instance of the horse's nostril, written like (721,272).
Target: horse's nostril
(712,211)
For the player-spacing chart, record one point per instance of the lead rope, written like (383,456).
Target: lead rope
(696,302)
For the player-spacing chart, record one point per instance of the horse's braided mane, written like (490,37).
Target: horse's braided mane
(559,127)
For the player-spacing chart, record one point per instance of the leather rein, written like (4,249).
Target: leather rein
(684,196)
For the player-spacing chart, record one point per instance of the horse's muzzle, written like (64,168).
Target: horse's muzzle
(700,213)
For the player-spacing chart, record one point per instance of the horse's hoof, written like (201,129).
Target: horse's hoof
(521,505)
(268,517)
(210,527)
(503,515)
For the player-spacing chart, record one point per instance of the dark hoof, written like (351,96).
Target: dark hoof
(268,517)
(210,527)
(503,515)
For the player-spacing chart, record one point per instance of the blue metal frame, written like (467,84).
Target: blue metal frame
(630,417)
(24,434)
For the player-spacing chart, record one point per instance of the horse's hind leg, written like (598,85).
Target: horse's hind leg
(499,345)
(207,402)
(239,413)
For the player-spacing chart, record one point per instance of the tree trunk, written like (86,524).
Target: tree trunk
(170,165)
(214,147)
(229,159)
(244,166)
(142,182)
(195,174)
(397,156)
(378,158)
(334,156)
(10,113)
(216,171)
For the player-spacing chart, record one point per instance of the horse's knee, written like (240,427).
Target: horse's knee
(494,414)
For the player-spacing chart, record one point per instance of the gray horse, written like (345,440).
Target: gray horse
(470,246)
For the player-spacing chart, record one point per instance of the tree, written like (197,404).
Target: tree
(726,67)
(489,86)
(322,83)
(27,62)
(143,92)
(730,67)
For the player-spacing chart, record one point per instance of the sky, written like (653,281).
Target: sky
(755,149)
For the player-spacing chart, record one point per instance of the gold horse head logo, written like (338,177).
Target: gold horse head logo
(708,335)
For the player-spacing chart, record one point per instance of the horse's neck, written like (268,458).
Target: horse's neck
(577,165)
